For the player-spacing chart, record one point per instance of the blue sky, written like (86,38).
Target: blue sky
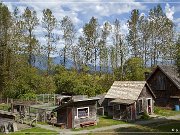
(81,11)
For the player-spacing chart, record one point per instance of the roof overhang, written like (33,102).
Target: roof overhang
(176,97)
(122,101)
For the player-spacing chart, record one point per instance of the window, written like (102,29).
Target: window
(140,105)
(83,112)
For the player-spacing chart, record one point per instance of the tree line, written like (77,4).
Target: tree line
(100,54)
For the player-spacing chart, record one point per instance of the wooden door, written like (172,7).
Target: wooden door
(149,106)
(133,111)
(69,117)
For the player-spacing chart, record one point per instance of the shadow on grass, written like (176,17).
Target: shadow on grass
(156,128)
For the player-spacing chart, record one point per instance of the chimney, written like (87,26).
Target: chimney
(146,74)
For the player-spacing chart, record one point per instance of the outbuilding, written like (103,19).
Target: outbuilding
(165,84)
(127,100)
(80,111)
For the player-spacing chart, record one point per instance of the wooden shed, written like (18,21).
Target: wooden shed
(165,84)
(126,100)
(78,112)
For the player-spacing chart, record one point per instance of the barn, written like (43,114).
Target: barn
(165,84)
(127,100)
(78,112)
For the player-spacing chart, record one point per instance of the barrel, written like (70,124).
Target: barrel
(176,107)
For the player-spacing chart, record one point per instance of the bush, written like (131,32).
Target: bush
(145,116)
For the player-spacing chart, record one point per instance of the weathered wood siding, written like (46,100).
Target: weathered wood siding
(163,88)
(62,116)
(124,112)
(144,95)
(92,113)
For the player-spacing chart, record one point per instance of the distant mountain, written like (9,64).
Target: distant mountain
(59,61)
(41,63)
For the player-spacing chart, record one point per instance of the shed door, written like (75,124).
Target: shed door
(149,105)
(69,118)
(133,111)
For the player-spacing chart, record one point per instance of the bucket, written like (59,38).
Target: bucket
(176,107)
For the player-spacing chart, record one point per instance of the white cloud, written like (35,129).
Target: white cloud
(177,22)
(169,11)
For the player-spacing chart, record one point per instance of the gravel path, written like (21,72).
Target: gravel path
(69,132)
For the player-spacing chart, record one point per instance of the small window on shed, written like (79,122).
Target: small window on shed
(83,112)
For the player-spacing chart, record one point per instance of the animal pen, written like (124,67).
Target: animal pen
(30,111)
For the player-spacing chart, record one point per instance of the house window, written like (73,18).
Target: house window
(83,112)
(140,105)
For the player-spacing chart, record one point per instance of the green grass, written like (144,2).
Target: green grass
(165,112)
(155,127)
(167,127)
(4,107)
(42,123)
(34,131)
(103,121)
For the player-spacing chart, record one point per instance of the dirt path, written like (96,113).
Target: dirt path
(69,132)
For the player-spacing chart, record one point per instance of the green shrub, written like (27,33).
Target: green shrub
(145,116)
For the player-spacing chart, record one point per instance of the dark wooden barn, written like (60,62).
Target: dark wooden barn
(127,100)
(165,84)
(78,112)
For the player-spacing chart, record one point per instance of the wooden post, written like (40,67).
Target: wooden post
(43,98)
(48,98)
(7,102)
(45,116)
(12,109)
(54,99)
(36,99)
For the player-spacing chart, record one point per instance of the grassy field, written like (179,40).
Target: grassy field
(155,129)
(35,131)
(4,107)
(165,112)
(103,121)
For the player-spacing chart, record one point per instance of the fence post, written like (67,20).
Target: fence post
(54,99)
(12,109)
(36,99)
(48,98)
(43,98)
(7,101)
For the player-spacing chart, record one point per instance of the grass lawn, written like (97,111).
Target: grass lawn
(35,131)
(4,107)
(103,121)
(139,129)
(165,112)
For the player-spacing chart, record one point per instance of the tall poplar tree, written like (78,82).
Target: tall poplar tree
(49,23)
(5,50)
(30,22)
(133,36)
(69,32)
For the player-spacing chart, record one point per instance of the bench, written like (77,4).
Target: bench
(61,125)
(86,124)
